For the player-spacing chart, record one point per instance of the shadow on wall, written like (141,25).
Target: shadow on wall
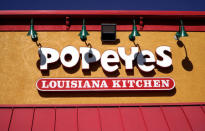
(186,62)
(109,93)
(117,41)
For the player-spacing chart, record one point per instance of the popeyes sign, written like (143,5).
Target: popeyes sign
(145,60)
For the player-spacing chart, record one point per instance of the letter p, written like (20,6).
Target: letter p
(47,56)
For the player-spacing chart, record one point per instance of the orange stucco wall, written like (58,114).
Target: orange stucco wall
(19,72)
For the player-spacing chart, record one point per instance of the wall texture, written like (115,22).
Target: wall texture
(19,71)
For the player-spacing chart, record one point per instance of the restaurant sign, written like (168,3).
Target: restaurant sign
(106,84)
(110,59)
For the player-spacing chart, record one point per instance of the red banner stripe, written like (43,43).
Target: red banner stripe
(104,84)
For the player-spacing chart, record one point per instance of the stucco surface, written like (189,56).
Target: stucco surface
(19,72)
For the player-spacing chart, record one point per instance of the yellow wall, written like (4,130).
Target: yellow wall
(19,72)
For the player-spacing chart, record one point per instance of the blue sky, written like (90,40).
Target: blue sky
(179,5)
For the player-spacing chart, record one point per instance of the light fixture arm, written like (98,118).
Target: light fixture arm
(32,32)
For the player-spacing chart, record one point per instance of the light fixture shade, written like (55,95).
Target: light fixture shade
(32,32)
(177,36)
(181,32)
(83,33)
(134,32)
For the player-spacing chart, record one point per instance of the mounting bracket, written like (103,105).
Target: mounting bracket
(141,23)
(67,22)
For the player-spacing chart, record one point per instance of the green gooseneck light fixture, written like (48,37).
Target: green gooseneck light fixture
(83,33)
(134,32)
(32,32)
(181,32)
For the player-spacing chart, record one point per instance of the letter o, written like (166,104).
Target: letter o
(73,52)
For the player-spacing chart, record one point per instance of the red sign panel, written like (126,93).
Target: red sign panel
(104,84)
